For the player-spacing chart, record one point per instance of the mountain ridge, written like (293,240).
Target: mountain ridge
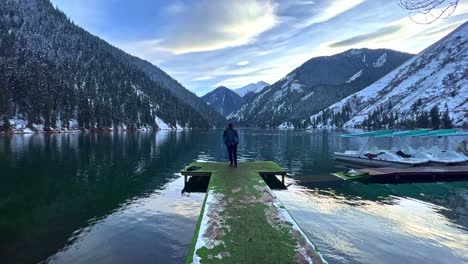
(435,80)
(223,100)
(315,85)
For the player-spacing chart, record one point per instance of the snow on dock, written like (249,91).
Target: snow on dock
(242,221)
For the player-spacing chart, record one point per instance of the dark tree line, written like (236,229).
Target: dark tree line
(331,118)
(434,118)
(385,117)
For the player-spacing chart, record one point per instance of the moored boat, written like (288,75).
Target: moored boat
(377,157)
(436,155)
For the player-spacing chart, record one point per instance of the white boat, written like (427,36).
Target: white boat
(406,156)
(441,156)
(380,159)
(377,157)
(435,155)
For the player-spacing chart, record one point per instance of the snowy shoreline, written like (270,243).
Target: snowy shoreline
(21,126)
(75,131)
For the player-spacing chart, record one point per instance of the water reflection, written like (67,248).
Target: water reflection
(115,198)
(351,222)
(53,185)
(144,230)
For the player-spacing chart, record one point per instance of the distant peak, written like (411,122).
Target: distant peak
(251,87)
(222,88)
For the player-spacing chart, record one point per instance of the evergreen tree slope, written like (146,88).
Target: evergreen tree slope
(56,75)
(167,82)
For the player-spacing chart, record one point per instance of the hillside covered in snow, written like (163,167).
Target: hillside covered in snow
(430,87)
(315,85)
(56,76)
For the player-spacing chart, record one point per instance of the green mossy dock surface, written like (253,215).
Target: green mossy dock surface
(242,221)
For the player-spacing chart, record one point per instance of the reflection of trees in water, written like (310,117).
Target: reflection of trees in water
(52,185)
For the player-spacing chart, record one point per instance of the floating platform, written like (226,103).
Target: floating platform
(242,221)
(405,175)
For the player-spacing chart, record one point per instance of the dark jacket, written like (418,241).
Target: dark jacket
(230,137)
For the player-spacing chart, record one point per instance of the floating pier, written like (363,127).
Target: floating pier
(242,221)
(410,174)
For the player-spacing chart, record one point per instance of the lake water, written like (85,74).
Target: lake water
(116,198)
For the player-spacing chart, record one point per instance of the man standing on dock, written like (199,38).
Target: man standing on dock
(231,140)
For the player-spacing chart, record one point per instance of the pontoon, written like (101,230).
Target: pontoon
(377,157)
(441,156)
(406,156)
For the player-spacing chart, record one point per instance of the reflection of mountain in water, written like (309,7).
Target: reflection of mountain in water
(52,185)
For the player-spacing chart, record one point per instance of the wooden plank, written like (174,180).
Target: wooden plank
(242,221)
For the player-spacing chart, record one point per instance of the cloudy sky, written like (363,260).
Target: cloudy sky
(207,43)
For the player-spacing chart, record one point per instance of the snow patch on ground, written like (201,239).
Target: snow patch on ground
(138,92)
(295,87)
(179,127)
(213,206)
(281,106)
(355,76)
(73,124)
(161,124)
(38,127)
(290,83)
(28,131)
(18,123)
(307,96)
(380,61)
(286,125)
(278,95)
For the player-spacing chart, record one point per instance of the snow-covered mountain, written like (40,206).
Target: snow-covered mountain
(251,87)
(436,79)
(223,100)
(57,76)
(315,85)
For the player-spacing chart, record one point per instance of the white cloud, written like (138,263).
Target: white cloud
(243,63)
(216,24)
(410,37)
(203,78)
(334,8)
(203,43)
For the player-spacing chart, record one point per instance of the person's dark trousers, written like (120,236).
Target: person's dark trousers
(232,150)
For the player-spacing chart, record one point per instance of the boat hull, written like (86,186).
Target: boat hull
(374,162)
